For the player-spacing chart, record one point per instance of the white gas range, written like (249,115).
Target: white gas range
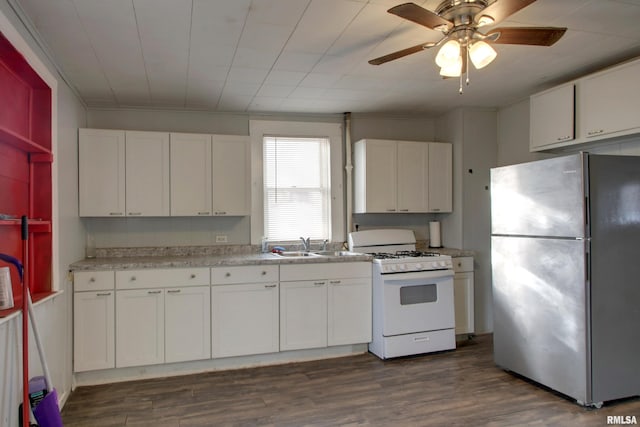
(413,309)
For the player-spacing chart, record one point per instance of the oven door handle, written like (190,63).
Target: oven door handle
(402,278)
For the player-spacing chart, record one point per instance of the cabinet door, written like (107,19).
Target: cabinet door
(93,330)
(463,302)
(101,169)
(440,177)
(231,175)
(552,117)
(413,176)
(187,324)
(303,314)
(190,174)
(375,176)
(349,311)
(139,327)
(609,102)
(244,319)
(147,172)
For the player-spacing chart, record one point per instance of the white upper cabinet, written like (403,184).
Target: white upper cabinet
(101,157)
(123,173)
(210,175)
(190,174)
(402,176)
(440,177)
(147,173)
(609,102)
(231,178)
(595,107)
(552,116)
(375,176)
(413,176)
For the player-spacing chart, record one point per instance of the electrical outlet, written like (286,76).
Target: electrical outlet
(221,238)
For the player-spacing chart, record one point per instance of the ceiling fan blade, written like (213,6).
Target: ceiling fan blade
(401,53)
(500,9)
(420,15)
(538,36)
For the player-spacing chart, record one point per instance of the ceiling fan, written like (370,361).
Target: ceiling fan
(459,21)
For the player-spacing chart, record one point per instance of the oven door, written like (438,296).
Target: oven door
(417,302)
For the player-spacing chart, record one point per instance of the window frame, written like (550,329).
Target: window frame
(258,129)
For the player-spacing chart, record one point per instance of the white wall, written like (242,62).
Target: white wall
(54,315)
(473,133)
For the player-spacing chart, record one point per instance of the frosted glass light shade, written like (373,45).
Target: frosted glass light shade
(481,54)
(453,69)
(448,54)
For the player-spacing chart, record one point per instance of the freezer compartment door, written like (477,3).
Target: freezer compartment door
(542,198)
(539,303)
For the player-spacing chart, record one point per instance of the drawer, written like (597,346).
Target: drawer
(244,274)
(462,264)
(324,270)
(93,280)
(161,278)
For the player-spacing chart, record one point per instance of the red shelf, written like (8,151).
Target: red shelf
(20,142)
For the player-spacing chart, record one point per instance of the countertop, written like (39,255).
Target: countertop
(128,259)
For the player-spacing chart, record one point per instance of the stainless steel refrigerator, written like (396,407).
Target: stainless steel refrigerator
(566,274)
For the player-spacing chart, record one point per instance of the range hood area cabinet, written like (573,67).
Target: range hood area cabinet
(595,107)
(402,176)
(156,174)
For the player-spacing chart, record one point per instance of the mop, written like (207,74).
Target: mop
(46,411)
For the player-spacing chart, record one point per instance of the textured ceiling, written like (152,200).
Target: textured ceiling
(307,56)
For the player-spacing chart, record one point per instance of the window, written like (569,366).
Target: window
(297,196)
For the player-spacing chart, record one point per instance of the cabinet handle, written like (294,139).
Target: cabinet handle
(173,291)
(93,279)
(220,213)
(103,294)
(133,278)
(391,210)
(436,209)
(270,286)
(154,292)
(335,282)
(404,210)
(264,273)
(115,213)
(595,132)
(204,213)
(134,213)
(563,138)
(318,283)
(227,274)
(193,276)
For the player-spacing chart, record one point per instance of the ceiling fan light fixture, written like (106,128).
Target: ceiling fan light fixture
(481,54)
(448,54)
(454,69)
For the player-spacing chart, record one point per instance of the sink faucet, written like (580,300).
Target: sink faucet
(324,244)
(306,243)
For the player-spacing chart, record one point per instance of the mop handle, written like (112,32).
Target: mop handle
(34,327)
(25,327)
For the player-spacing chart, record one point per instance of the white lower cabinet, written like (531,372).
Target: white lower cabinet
(244,310)
(463,295)
(139,327)
(94,327)
(332,308)
(187,331)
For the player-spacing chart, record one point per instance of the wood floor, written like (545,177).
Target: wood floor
(457,388)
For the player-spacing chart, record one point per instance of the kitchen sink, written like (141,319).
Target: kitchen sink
(295,254)
(335,253)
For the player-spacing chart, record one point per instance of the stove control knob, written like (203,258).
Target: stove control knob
(402,267)
(393,267)
(417,267)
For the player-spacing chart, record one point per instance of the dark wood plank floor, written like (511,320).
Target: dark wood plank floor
(457,388)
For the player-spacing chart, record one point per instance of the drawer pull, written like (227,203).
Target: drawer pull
(133,278)
(135,213)
(154,292)
(264,273)
(270,286)
(204,213)
(318,283)
(335,282)
(93,279)
(193,276)
(173,291)
(103,294)
(227,274)
(115,213)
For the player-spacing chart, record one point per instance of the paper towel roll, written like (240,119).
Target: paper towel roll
(434,234)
